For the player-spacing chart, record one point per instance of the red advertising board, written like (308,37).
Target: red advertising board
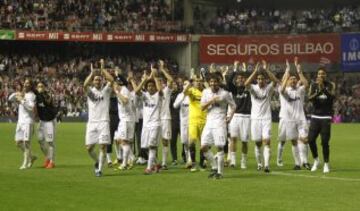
(102,37)
(317,48)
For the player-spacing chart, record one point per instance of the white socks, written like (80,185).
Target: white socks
(303,150)
(258,155)
(266,155)
(210,157)
(118,151)
(295,152)
(232,158)
(220,162)
(243,157)
(165,150)
(126,153)
(280,149)
(93,154)
(151,159)
(101,160)
(44,148)
(51,151)
(27,157)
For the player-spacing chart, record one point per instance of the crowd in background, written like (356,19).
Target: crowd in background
(87,15)
(159,15)
(63,76)
(258,21)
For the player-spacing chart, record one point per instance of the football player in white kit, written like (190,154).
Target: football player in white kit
(125,132)
(25,97)
(150,134)
(165,113)
(98,128)
(182,101)
(293,124)
(216,101)
(261,112)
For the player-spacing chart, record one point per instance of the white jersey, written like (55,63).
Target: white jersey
(138,106)
(293,105)
(151,109)
(216,115)
(282,103)
(260,101)
(126,111)
(182,101)
(165,106)
(98,103)
(26,107)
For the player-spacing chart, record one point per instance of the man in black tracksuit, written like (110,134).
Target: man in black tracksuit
(322,95)
(175,123)
(239,126)
(46,112)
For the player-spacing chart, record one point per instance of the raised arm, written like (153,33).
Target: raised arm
(88,79)
(187,86)
(303,80)
(138,89)
(269,73)
(105,73)
(155,76)
(179,99)
(162,68)
(285,77)
(252,76)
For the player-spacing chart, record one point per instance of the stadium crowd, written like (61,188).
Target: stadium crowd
(158,15)
(258,21)
(90,15)
(65,77)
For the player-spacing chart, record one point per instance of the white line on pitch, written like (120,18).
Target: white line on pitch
(318,177)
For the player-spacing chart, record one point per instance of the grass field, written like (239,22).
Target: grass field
(73,186)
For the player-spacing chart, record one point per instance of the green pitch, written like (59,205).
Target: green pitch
(73,186)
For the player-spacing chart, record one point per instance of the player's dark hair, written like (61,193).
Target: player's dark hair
(214,76)
(150,81)
(321,68)
(41,81)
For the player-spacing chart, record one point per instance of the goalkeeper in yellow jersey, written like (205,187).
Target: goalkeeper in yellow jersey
(197,120)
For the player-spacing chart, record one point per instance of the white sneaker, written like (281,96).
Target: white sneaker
(279,163)
(243,164)
(31,162)
(23,167)
(139,160)
(315,165)
(326,168)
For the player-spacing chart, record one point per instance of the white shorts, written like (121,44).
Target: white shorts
(166,129)
(260,129)
(184,133)
(150,136)
(214,136)
(46,131)
(97,133)
(239,127)
(23,131)
(292,130)
(125,131)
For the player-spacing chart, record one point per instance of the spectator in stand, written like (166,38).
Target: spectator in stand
(87,15)
(257,20)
